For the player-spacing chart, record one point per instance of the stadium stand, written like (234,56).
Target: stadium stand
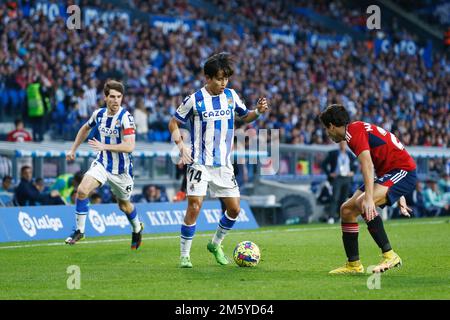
(285,50)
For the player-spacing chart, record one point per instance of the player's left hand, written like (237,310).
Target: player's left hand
(262,105)
(96,145)
(404,209)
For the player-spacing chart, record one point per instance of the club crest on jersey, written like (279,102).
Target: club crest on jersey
(230,102)
(216,114)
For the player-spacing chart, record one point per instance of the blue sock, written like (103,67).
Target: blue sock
(81,206)
(81,211)
(225,224)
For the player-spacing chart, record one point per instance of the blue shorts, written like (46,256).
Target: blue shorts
(400,183)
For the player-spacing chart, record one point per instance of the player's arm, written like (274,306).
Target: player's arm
(368,205)
(81,136)
(174,129)
(261,107)
(127,145)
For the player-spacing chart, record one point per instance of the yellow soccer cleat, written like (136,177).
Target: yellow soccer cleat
(354,267)
(390,260)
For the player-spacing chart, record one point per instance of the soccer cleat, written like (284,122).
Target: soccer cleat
(136,238)
(354,267)
(185,262)
(75,237)
(390,260)
(217,251)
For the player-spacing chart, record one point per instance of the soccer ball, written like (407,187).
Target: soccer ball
(246,254)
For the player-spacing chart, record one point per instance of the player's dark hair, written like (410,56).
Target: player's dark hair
(113,85)
(335,114)
(219,61)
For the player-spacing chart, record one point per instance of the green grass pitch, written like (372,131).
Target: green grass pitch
(294,265)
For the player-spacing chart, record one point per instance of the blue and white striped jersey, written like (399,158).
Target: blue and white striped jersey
(212,125)
(112,129)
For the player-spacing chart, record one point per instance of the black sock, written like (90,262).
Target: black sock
(350,233)
(376,229)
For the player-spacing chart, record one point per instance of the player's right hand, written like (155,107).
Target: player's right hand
(185,153)
(70,156)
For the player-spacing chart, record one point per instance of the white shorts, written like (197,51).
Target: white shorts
(121,184)
(221,181)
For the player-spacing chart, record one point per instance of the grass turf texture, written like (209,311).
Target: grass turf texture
(295,264)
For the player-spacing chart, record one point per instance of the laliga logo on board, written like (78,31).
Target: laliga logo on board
(100,221)
(30,225)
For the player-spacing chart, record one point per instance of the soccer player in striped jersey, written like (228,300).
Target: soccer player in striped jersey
(211,112)
(395,169)
(113,163)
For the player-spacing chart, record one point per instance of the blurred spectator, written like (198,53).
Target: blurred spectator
(26,193)
(151,193)
(416,201)
(40,185)
(339,166)
(19,134)
(95,198)
(66,183)
(37,108)
(141,120)
(435,203)
(6,184)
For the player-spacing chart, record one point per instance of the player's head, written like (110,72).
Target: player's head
(218,69)
(113,91)
(335,118)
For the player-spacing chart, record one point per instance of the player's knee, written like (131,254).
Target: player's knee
(194,207)
(346,211)
(82,193)
(233,212)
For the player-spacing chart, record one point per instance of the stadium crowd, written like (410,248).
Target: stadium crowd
(395,91)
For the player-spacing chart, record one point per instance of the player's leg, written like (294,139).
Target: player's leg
(188,229)
(137,226)
(349,213)
(224,186)
(387,190)
(122,187)
(88,183)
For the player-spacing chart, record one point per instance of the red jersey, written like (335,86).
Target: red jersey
(387,152)
(19,136)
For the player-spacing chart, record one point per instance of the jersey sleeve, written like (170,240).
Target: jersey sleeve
(357,139)
(128,125)
(185,109)
(239,106)
(92,122)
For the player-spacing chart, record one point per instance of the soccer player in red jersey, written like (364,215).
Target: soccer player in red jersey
(395,169)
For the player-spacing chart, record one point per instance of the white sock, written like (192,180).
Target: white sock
(81,222)
(136,224)
(185,247)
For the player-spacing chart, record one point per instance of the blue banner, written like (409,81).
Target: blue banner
(168,24)
(323,41)
(57,222)
(405,46)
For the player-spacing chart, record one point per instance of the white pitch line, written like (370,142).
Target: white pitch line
(61,243)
